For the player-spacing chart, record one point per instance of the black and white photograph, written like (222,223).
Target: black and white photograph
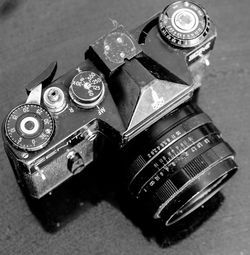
(125,127)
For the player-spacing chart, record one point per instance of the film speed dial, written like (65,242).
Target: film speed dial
(29,127)
(87,89)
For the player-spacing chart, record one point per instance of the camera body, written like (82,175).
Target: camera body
(74,141)
(127,83)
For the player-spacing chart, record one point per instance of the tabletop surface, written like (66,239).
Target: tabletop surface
(35,33)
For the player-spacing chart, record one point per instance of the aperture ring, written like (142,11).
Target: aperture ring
(161,127)
(177,150)
(164,142)
(172,120)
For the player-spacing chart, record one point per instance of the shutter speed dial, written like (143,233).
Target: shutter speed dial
(87,89)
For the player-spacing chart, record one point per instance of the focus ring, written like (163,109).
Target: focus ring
(189,172)
(170,169)
(207,184)
(170,154)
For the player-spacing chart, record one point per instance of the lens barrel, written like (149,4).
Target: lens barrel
(178,163)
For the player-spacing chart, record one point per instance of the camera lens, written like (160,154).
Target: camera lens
(183,163)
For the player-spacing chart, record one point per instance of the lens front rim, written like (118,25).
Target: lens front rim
(196,192)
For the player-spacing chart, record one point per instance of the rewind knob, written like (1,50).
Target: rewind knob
(184,24)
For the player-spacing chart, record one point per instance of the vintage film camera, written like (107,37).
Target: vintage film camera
(133,95)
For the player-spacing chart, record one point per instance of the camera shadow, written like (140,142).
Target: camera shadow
(80,194)
(66,202)
(7,7)
(167,236)
(77,194)
(103,182)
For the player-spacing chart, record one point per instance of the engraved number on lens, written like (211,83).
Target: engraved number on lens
(29,127)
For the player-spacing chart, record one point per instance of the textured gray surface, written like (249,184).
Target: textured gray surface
(33,33)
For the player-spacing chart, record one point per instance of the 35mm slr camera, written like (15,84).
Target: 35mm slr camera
(133,91)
